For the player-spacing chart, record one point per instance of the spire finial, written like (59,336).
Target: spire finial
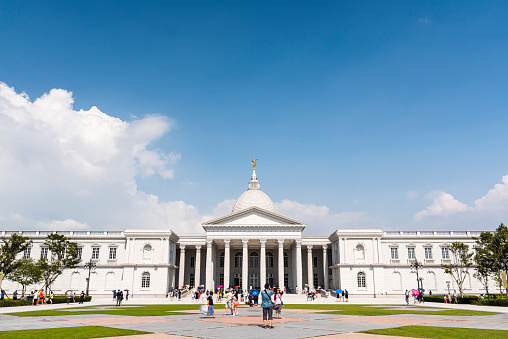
(254,164)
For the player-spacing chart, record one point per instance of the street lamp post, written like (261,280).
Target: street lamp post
(448,283)
(91,265)
(415,266)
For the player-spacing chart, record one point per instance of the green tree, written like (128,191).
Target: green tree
(27,273)
(493,252)
(462,260)
(9,249)
(63,254)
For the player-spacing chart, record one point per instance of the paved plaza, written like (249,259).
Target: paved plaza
(295,323)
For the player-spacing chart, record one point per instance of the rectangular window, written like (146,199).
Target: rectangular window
(80,252)
(395,253)
(221,279)
(27,252)
(428,252)
(269,261)
(286,279)
(191,280)
(286,261)
(316,282)
(238,260)
(192,261)
(44,253)
(444,253)
(254,280)
(95,252)
(221,261)
(254,261)
(112,253)
(411,253)
(314,261)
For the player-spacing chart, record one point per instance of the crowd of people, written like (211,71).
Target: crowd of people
(40,297)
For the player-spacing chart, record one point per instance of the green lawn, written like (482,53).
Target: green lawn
(139,310)
(80,332)
(374,310)
(441,332)
(155,310)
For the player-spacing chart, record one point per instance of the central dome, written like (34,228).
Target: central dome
(254,197)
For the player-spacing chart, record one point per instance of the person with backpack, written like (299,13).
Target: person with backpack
(267,305)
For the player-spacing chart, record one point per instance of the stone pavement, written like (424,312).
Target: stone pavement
(303,323)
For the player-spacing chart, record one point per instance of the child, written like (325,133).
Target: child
(445,300)
(210,306)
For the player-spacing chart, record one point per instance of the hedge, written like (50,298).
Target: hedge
(439,298)
(492,302)
(60,299)
(10,302)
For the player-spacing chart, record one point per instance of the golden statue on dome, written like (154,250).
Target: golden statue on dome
(254,164)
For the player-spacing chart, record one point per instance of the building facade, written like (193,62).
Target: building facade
(254,245)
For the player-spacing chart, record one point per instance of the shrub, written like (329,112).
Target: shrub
(492,302)
(10,302)
(60,299)
(439,298)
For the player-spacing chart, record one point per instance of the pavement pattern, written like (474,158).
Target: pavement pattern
(302,323)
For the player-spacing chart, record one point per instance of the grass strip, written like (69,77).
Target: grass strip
(79,332)
(138,311)
(441,332)
(369,310)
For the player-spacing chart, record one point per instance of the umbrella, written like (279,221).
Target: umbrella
(415,292)
(254,293)
(219,286)
(203,309)
(338,291)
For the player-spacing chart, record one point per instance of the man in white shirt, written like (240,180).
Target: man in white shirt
(229,300)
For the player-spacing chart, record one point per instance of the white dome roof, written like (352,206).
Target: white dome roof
(254,197)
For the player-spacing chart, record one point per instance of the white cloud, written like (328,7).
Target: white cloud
(320,220)
(423,21)
(487,212)
(76,169)
(444,204)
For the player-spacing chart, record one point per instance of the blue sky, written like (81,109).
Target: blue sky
(375,108)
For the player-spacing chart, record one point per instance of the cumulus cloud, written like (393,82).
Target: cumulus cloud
(320,220)
(63,168)
(444,204)
(487,212)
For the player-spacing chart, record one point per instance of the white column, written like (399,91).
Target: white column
(325,266)
(245,263)
(299,282)
(181,268)
(281,265)
(197,270)
(262,264)
(310,276)
(209,273)
(226,264)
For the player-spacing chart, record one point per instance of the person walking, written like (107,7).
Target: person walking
(455,296)
(114,295)
(68,295)
(343,294)
(278,302)
(210,311)
(82,297)
(51,296)
(407,297)
(267,305)
(347,296)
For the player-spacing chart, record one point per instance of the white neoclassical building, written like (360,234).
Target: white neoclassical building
(254,245)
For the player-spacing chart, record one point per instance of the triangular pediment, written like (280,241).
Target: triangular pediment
(254,216)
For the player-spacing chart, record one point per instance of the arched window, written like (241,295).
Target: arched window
(286,261)
(145,280)
(221,260)
(361,280)
(360,252)
(238,259)
(269,259)
(254,260)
